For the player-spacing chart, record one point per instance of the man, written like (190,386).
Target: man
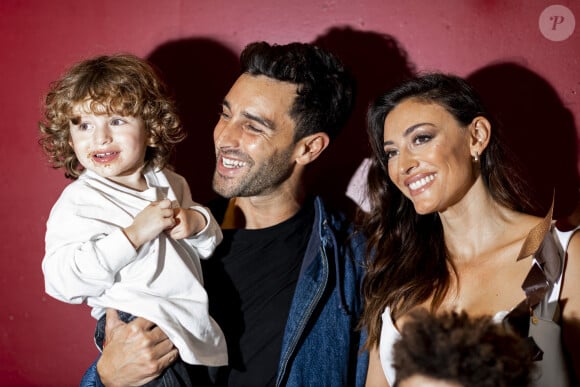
(284,285)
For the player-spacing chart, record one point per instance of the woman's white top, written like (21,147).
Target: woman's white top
(551,370)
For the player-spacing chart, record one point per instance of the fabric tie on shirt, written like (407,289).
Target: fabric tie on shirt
(545,270)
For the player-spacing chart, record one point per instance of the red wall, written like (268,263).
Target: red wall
(47,343)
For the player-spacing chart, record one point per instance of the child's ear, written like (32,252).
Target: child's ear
(152,141)
(310,147)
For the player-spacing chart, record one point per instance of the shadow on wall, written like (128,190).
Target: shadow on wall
(539,132)
(199,72)
(378,63)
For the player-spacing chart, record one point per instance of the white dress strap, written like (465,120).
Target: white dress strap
(389,335)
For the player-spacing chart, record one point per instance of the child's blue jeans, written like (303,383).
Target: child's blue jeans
(173,376)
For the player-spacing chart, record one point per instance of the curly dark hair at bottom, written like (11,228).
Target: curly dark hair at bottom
(454,347)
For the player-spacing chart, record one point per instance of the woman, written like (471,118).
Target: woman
(450,229)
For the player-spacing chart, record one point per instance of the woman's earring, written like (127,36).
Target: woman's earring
(476,157)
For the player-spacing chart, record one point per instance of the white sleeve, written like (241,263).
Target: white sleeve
(84,251)
(207,239)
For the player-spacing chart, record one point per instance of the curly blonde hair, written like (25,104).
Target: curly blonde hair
(121,84)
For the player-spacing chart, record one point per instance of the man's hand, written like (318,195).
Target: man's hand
(133,353)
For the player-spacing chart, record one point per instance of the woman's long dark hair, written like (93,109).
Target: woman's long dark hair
(407,260)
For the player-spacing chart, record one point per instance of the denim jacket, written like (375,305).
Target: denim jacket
(321,345)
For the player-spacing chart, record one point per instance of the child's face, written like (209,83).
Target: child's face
(112,146)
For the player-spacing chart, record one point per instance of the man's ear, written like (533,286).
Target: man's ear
(310,147)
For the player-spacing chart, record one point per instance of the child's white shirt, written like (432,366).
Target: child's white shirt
(89,259)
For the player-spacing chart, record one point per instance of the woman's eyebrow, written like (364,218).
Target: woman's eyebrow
(407,131)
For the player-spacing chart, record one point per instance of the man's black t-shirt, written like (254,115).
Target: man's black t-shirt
(250,281)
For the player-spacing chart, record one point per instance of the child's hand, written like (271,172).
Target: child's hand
(188,222)
(155,218)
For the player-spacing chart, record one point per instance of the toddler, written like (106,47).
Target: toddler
(126,233)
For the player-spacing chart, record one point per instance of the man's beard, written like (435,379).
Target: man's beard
(256,182)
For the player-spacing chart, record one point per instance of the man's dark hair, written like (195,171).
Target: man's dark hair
(471,351)
(326,89)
